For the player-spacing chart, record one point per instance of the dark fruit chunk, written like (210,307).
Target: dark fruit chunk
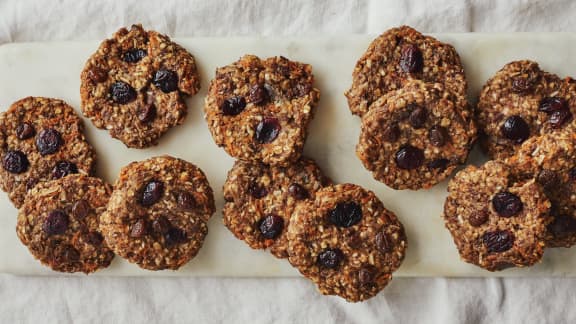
(94,238)
(257,191)
(66,253)
(31,183)
(267,130)
(122,93)
(562,225)
(345,214)
(366,276)
(498,241)
(391,133)
(547,178)
(552,104)
(383,243)
(298,192)
(161,225)
(147,113)
(63,168)
(25,131)
(411,60)
(515,129)
(152,192)
(233,106)
(174,236)
(134,55)
(48,141)
(524,84)
(478,218)
(258,95)
(80,209)
(572,173)
(418,116)
(166,80)
(271,226)
(409,157)
(302,89)
(15,162)
(437,136)
(97,74)
(439,164)
(506,204)
(559,118)
(55,223)
(185,200)
(330,258)
(139,228)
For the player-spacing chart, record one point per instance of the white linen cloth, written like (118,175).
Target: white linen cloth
(290,300)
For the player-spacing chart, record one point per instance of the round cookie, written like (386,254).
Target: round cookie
(346,242)
(259,200)
(259,110)
(158,213)
(58,222)
(551,160)
(134,85)
(414,137)
(41,139)
(496,222)
(398,55)
(521,101)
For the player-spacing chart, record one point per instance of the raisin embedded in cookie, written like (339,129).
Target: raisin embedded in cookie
(41,139)
(58,222)
(522,101)
(259,200)
(134,85)
(346,242)
(158,213)
(399,55)
(495,221)
(551,160)
(414,137)
(259,110)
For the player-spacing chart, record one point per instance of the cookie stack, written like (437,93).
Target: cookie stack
(339,236)
(506,212)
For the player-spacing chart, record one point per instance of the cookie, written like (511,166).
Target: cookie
(134,85)
(414,137)
(41,139)
(551,160)
(398,55)
(158,213)
(259,110)
(346,242)
(495,221)
(521,101)
(259,200)
(58,222)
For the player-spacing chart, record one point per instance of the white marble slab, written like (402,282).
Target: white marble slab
(53,69)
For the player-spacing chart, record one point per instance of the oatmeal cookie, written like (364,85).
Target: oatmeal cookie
(495,221)
(414,137)
(58,222)
(522,101)
(134,85)
(259,200)
(259,110)
(551,160)
(346,242)
(399,55)
(41,139)
(158,213)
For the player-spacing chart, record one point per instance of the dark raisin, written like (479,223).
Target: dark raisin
(94,238)
(552,104)
(438,164)
(25,131)
(80,209)
(267,130)
(411,59)
(48,141)
(391,133)
(66,253)
(31,183)
(572,174)
(161,225)
(134,55)
(498,241)
(366,276)
(271,226)
(409,157)
(233,106)
(418,116)
(547,178)
(122,93)
(139,228)
(330,258)
(185,200)
(257,191)
(562,225)
(345,214)
(437,135)
(559,118)
(166,80)
(152,192)
(147,113)
(301,90)
(383,242)
(298,192)
(55,223)
(258,95)
(524,85)
(478,218)
(63,168)
(97,74)
(515,129)
(174,236)
(15,162)
(506,204)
